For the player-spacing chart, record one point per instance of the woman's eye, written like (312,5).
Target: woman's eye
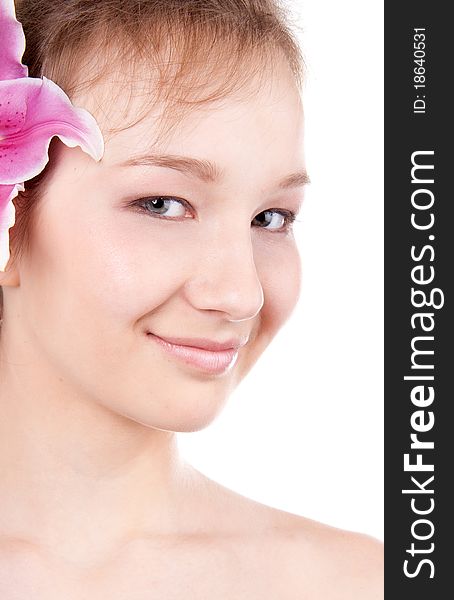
(168,207)
(165,206)
(276,220)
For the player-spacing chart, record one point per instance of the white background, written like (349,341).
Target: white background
(304,431)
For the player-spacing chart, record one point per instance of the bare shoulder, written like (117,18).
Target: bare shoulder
(326,562)
(295,558)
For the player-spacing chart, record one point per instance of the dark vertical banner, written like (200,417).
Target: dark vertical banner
(419,258)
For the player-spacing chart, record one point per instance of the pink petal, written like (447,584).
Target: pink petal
(12,43)
(48,113)
(7,219)
(13,109)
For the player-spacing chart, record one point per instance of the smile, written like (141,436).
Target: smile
(213,358)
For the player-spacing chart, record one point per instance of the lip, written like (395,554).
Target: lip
(210,356)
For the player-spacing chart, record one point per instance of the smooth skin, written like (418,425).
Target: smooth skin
(95,500)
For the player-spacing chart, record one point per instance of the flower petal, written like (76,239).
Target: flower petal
(7,219)
(13,109)
(48,113)
(12,43)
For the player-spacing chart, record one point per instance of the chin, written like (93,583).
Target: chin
(190,406)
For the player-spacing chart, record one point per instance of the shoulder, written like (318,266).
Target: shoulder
(326,562)
(292,556)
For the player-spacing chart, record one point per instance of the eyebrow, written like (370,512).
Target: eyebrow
(203,169)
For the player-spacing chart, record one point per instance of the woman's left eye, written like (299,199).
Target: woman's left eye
(165,206)
(276,220)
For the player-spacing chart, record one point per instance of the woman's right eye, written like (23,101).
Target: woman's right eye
(165,207)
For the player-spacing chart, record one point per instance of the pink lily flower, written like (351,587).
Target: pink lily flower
(32,112)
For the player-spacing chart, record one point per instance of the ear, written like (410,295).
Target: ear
(10,276)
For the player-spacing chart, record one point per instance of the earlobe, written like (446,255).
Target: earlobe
(9,277)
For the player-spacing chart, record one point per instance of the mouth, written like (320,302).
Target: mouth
(209,356)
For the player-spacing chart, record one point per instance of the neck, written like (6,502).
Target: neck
(77,476)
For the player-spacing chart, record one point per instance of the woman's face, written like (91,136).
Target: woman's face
(189,240)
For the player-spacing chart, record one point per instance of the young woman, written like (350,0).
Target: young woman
(141,288)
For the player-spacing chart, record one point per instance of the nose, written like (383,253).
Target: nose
(225,279)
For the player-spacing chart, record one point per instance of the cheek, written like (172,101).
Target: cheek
(142,265)
(279,270)
(111,268)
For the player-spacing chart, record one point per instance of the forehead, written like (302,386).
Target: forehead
(121,95)
(263,116)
